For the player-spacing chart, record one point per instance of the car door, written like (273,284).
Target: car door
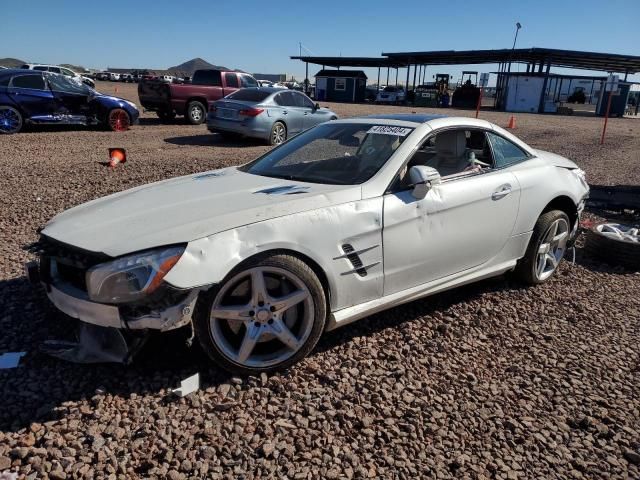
(32,95)
(72,97)
(462,223)
(290,113)
(310,116)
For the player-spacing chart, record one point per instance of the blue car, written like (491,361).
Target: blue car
(34,97)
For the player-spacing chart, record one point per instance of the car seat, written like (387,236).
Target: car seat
(451,153)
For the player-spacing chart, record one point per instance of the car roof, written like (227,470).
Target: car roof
(408,117)
(271,89)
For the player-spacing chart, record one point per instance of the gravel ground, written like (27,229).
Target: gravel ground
(493,380)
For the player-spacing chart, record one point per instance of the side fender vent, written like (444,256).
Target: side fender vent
(355,260)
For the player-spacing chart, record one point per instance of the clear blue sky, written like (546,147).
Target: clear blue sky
(259,36)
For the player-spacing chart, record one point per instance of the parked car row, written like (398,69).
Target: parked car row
(232,103)
(61,70)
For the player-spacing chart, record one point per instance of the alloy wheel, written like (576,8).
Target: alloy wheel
(551,249)
(10,121)
(279,134)
(196,114)
(119,120)
(262,317)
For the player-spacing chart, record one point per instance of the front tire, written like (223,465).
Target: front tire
(265,316)
(11,120)
(196,113)
(546,248)
(118,120)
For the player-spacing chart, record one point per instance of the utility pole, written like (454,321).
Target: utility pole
(518,27)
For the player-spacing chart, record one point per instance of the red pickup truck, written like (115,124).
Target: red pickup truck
(191,99)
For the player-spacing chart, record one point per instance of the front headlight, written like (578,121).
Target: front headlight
(130,278)
(581,175)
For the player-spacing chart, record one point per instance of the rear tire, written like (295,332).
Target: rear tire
(278,134)
(196,113)
(252,326)
(11,120)
(546,248)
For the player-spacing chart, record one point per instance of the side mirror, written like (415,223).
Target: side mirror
(423,178)
(316,107)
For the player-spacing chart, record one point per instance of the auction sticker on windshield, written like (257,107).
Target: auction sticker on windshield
(390,130)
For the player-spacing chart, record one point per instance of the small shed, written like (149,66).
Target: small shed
(341,86)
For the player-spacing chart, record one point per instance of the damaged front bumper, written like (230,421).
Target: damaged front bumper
(172,309)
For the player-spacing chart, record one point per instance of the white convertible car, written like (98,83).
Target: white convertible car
(346,219)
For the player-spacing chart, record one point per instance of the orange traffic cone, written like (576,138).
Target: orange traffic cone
(116,156)
(512,122)
(116,89)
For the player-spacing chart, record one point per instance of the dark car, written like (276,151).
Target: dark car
(32,97)
(190,99)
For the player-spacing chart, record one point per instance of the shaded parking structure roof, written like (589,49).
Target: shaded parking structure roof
(606,62)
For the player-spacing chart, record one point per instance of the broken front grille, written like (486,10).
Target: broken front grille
(64,263)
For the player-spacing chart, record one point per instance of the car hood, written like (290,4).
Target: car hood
(556,160)
(187,208)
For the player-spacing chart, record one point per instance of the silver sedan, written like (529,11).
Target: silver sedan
(271,114)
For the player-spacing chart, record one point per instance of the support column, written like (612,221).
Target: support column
(388,76)
(544,87)
(378,84)
(626,73)
(306,78)
(406,83)
(397,76)
(415,71)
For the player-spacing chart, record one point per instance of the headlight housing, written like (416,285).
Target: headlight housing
(581,175)
(131,278)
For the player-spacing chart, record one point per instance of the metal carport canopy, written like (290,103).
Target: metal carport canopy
(606,62)
(371,62)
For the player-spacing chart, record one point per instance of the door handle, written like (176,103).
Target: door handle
(501,192)
(284,112)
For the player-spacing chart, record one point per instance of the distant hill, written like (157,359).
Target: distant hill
(187,68)
(11,62)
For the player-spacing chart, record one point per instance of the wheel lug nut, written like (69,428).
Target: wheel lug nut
(261,304)
(272,308)
(257,324)
(270,321)
(252,313)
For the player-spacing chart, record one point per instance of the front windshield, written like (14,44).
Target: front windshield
(332,153)
(60,83)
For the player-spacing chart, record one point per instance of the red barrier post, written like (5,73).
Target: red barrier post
(606,117)
(479,102)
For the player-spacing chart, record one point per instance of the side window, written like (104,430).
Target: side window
(248,81)
(453,153)
(306,101)
(285,99)
(207,77)
(40,68)
(35,82)
(341,84)
(67,72)
(231,79)
(505,152)
(54,69)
